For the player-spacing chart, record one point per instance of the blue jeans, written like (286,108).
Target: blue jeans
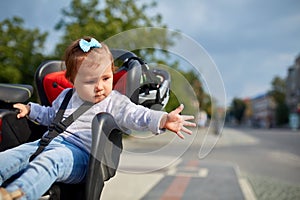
(60,161)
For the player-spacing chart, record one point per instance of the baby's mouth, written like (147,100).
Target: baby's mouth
(99,95)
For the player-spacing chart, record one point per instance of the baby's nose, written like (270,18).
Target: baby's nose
(99,86)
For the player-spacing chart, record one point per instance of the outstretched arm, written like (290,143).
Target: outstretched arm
(176,122)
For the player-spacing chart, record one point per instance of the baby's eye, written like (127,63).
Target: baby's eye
(106,78)
(90,82)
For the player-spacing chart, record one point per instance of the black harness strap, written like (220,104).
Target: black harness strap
(58,126)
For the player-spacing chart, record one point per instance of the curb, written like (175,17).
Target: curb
(247,189)
(245,185)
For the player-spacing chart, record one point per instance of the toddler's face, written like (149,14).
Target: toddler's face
(94,83)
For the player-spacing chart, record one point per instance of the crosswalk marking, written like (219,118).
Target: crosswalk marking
(188,172)
(203,172)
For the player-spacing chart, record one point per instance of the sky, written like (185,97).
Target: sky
(250,41)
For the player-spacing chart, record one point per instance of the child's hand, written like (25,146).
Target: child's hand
(176,122)
(23,109)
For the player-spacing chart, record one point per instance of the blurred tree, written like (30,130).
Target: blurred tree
(278,94)
(248,113)
(109,18)
(20,51)
(237,109)
(202,97)
(278,89)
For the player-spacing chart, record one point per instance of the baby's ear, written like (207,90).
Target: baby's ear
(115,68)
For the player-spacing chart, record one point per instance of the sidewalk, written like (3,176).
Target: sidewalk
(153,170)
(185,181)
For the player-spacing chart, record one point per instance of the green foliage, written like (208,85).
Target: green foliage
(278,94)
(182,93)
(106,19)
(173,103)
(282,114)
(202,97)
(20,51)
(237,109)
(278,90)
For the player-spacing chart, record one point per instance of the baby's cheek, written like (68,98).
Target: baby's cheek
(87,93)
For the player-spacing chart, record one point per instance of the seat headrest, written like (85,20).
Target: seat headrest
(54,83)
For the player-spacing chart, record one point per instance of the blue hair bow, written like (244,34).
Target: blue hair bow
(86,46)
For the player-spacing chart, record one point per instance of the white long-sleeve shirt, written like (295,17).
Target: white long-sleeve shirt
(127,114)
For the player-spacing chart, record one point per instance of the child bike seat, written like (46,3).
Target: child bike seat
(13,93)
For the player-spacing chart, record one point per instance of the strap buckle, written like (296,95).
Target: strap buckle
(59,127)
(45,140)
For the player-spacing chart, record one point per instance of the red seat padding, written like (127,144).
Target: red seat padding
(119,82)
(54,83)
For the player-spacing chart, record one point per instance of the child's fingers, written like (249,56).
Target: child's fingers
(188,131)
(16,106)
(20,115)
(186,123)
(179,134)
(179,109)
(20,110)
(187,117)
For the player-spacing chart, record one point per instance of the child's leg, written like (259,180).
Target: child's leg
(60,161)
(14,160)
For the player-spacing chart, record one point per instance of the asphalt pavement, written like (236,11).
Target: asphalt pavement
(157,167)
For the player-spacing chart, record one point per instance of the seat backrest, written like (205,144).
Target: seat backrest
(50,78)
(46,71)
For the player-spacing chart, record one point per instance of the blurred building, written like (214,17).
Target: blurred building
(263,111)
(293,87)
